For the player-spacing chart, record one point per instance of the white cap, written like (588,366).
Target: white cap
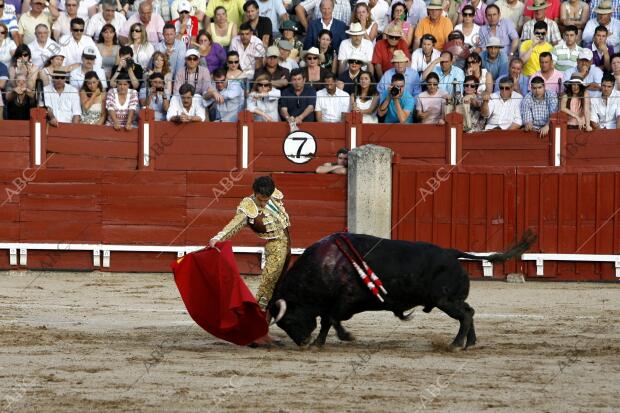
(184,5)
(585,54)
(192,52)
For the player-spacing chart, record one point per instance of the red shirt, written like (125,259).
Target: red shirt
(383,55)
(191,29)
(552,12)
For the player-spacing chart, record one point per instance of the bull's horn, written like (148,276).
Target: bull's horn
(281,304)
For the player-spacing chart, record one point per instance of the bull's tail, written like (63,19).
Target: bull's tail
(526,241)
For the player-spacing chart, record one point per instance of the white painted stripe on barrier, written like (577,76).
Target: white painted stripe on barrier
(244,146)
(353,137)
(540,259)
(558,141)
(146,144)
(37,143)
(452,146)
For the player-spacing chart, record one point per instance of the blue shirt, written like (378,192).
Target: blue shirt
(412,81)
(498,68)
(407,103)
(445,81)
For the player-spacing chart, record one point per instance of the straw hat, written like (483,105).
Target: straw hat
(604,7)
(394,30)
(575,78)
(399,57)
(313,51)
(435,5)
(538,5)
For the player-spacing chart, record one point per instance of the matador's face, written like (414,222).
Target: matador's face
(261,200)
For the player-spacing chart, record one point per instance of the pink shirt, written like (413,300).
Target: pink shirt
(154,29)
(552,83)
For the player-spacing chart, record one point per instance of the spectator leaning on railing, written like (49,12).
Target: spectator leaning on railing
(228,100)
(605,109)
(502,109)
(263,100)
(576,103)
(20,100)
(339,167)
(537,107)
(187,106)
(298,100)
(331,103)
(122,104)
(396,103)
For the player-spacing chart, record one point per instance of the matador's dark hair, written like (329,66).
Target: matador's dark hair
(264,185)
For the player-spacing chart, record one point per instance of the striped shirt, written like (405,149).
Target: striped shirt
(538,111)
(565,57)
(553,32)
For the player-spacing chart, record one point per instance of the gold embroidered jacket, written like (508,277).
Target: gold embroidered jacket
(268,223)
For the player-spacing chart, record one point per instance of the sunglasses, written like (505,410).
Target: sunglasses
(393,37)
(540,33)
(2,31)
(432,84)
(25,55)
(137,30)
(355,62)
(232,62)
(264,84)
(311,58)
(468,14)
(1,6)
(191,58)
(89,57)
(473,61)
(505,88)
(78,30)
(469,85)
(58,77)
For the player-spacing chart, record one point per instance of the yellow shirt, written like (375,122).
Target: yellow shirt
(234,9)
(533,64)
(440,30)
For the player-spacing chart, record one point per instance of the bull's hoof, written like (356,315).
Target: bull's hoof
(454,347)
(318,343)
(346,336)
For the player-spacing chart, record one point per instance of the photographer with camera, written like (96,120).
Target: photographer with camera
(154,97)
(129,67)
(396,102)
(531,50)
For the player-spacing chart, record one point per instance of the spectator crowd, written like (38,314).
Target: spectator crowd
(503,64)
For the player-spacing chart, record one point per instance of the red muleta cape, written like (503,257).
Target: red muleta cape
(216,296)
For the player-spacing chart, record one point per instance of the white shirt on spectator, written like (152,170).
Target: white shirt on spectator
(504,113)
(76,77)
(248,55)
(6,51)
(342,9)
(289,64)
(332,106)
(267,104)
(606,114)
(417,59)
(63,24)
(83,7)
(95,23)
(380,13)
(73,50)
(41,54)
(346,50)
(65,105)
(176,108)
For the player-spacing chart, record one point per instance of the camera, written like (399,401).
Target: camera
(160,89)
(129,62)
(394,90)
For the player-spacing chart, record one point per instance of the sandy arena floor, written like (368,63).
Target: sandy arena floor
(123,342)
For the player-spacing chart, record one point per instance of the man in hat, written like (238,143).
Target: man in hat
(531,49)
(348,79)
(341,11)
(279,75)
(537,107)
(327,21)
(590,74)
(500,28)
(553,78)
(552,12)
(493,60)
(193,73)
(284,60)
(331,103)
(603,17)
(565,53)
(250,48)
(186,26)
(77,75)
(435,23)
(61,100)
(385,48)
(73,45)
(355,44)
(266,216)
(197,9)
(400,61)
(502,109)
(552,34)
(615,6)
(450,77)
(43,47)
(605,109)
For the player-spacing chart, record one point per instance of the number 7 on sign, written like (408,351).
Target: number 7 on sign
(299,147)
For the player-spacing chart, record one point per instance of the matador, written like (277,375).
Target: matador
(264,213)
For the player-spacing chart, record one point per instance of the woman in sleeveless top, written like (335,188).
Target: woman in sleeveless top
(365,99)
(361,15)
(473,67)
(142,49)
(108,47)
(222,30)
(574,12)
(576,103)
(92,98)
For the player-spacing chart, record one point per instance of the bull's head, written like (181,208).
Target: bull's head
(296,322)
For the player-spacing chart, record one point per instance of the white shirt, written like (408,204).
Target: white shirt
(473,38)
(6,51)
(346,50)
(63,24)
(332,106)
(73,50)
(380,14)
(289,64)
(605,114)
(95,23)
(65,105)
(504,113)
(41,54)
(248,55)
(176,108)
(76,77)
(142,53)
(83,7)
(417,59)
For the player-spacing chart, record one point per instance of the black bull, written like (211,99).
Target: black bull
(323,283)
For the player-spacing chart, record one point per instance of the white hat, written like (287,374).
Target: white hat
(604,7)
(192,52)
(494,42)
(585,54)
(575,78)
(313,51)
(356,29)
(89,51)
(184,5)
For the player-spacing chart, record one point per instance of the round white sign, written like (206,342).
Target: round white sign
(299,147)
